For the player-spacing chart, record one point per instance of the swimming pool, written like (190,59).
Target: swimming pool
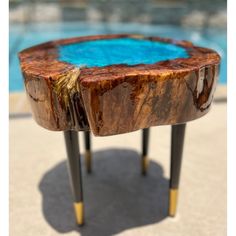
(23,36)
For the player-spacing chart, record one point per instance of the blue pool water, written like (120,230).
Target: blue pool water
(31,34)
(128,51)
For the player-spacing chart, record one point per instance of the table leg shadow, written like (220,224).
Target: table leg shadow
(116,196)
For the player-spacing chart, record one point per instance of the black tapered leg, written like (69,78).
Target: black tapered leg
(72,148)
(177,144)
(88,156)
(145,143)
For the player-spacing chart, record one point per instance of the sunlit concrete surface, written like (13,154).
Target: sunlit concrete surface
(118,200)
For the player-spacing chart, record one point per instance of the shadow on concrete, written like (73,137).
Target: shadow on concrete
(116,196)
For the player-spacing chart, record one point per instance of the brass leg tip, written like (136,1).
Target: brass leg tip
(79,213)
(88,160)
(144,164)
(173,197)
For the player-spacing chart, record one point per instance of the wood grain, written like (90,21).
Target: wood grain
(118,98)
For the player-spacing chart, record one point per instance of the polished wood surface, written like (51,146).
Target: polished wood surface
(118,99)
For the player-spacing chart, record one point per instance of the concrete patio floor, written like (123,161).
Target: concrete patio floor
(118,200)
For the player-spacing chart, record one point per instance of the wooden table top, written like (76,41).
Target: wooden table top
(113,84)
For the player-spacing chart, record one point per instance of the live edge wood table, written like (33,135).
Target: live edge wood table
(114,84)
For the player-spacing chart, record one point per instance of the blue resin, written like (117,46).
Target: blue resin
(105,52)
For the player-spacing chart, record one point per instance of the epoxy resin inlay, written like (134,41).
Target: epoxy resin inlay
(129,51)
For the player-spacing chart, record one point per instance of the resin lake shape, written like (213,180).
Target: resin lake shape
(105,52)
